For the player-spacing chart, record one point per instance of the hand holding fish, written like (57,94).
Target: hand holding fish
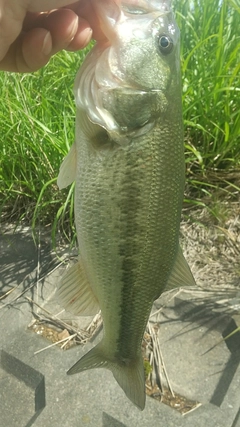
(32,31)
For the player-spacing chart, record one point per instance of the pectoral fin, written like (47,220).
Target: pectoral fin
(181,274)
(75,293)
(67,171)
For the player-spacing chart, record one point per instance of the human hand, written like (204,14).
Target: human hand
(29,37)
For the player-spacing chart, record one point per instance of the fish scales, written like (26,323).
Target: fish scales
(128,166)
(122,216)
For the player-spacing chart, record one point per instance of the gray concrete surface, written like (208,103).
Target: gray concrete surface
(35,390)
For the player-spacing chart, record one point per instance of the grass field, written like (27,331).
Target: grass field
(37,115)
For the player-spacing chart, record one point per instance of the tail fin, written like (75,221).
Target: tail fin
(129,375)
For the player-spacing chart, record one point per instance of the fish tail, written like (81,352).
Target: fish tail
(128,374)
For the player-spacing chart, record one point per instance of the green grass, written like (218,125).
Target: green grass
(37,122)
(210,54)
(37,116)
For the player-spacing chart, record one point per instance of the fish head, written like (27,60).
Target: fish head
(128,81)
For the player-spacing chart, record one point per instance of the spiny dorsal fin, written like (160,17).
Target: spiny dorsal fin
(75,293)
(67,171)
(181,274)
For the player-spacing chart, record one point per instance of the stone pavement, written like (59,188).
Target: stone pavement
(35,390)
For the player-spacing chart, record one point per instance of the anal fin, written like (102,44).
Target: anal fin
(75,293)
(181,274)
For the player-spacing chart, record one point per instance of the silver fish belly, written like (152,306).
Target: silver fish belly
(128,167)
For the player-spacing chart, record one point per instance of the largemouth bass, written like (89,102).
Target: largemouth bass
(128,166)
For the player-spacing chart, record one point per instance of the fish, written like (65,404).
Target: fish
(129,171)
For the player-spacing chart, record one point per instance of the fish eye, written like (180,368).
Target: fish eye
(165,44)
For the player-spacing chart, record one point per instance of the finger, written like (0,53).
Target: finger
(33,20)
(33,48)
(29,52)
(85,9)
(44,5)
(82,37)
(68,31)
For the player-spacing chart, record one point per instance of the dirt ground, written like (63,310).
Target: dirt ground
(212,249)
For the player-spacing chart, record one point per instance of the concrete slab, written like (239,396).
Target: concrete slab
(22,384)
(188,332)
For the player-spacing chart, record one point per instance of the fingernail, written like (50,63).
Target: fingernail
(86,36)
(47,44)
(74,27)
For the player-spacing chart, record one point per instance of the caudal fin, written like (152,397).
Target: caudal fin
(129,375)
